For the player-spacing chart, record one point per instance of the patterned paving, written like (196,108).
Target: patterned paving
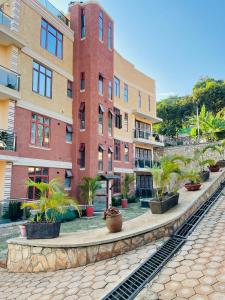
(197,272)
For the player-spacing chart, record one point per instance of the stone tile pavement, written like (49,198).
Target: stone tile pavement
(197,272)
(83,283)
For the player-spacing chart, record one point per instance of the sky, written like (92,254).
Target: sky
(176,42)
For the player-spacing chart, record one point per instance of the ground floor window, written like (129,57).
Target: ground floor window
(144,186)
(68,179)
(37,175)
(117,184)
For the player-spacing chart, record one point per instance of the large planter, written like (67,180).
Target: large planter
(214,168)
(90,211)
(204,175)
(221,163)
(42,230)
(114,223)
(192,186)
(124,203)
(161,206)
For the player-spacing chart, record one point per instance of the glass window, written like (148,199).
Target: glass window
(117,149)
(68,179)
(110,123)
(69,132)
(82,81)
(125,94)
(100,158)
(83,24)
(110,159)
(42,80)
(110,90)
(110,36)
(82,155)
(118,118)
(51,39)
(126,153)
(117,184)
(40,128)
(100,84)
(37,175)
(69,89)
(126,122)
(100,119)
(100,26)
(116,87)
(82,115)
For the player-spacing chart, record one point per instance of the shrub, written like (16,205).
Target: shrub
(14,211)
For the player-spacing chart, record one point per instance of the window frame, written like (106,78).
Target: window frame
(69,133)
(126,122)
(110,123)
(82,155)
(100,27)
(100,158)
(110,36)
(69,88)
(45,125)
(69,179)
(100,84)
(116,87)
(117,150)
(126,153)
(100,120)
(82,24)
(110,160)
(125,93)
(82,116)
(34,176)
(46,76)
(110,90)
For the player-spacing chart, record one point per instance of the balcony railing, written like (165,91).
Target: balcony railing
(5,19)
(9,78)
(7,140)
(143,163)
(147,135)
(144,192)
(53,10)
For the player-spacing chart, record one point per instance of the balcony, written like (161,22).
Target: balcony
(54,11)
(7,140)
(9,84)
(146,137)
(141,164)
(7,35)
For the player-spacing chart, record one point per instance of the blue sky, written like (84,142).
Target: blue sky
(173,41)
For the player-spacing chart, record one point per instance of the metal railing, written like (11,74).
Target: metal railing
(53,10)
(9,78)
(7,140)
(148,135)
(5,19)
(143,163)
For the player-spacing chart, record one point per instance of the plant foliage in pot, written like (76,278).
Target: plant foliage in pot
(89,187)
(53,200)
(202,163)
(128,180)
(221,161)
(193,177)
(166,179)
(212,165)
(113,219)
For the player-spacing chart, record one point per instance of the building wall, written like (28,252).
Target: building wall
(2,178)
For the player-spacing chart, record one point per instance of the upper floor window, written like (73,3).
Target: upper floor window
(126,121)
(100,118)
(68,179)
(82,81)
(125,94)
(139,100)
(110,123)
(82,115)
(116,87)
(82,155)
(118,118)
(40,130)
(37,175)
(110,158)
(100,157)
(126,152)
(110,90)
(110,36)
(83,24)
(149,103)
(100,26)
(117,149)
(51,39)
(100,84)
(69,89)
(42,80)
(69,132)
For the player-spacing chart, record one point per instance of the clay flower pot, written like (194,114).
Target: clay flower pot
(23,231)
(114,223)
(90,211)
(192,186)
(124,203)
(214,168)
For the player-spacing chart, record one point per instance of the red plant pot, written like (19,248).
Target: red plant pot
(214,168)
(89,211)
(192,186)
(124,203)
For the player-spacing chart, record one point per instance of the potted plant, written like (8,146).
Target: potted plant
(201,162)
(23,231)
(89,187)
(166,178)
(113,219)
(193,176)
(221,162)
(213,166)
(129,178)
(53,200)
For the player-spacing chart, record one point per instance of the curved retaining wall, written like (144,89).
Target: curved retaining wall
(51,255)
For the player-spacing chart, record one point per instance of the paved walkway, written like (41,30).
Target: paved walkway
(197,272)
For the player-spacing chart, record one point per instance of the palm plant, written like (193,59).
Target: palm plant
(213,148)
(192,175)
(200,159)
(52,200)
(221,147)
(129,178)
(89,187)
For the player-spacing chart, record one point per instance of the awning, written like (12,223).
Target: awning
(101,108)
(111,149)
(100,146)
(109,177)
(111,111)
(82,147)
(82,107)
(69,128)
(69,174)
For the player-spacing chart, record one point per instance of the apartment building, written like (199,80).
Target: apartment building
(70,105)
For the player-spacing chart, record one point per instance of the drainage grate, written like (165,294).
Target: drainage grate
(134,283)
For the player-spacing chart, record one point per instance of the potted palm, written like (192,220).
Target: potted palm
(213,166)
(201,162)
(53,200)
(89,187)
(128,179)
(113,219)
(221,162)
(193,177)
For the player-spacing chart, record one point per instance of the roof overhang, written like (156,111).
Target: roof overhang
(147,116)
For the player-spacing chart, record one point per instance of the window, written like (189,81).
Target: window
(142,130)
(68,179)
(82,81)
(69,131)
(125,94)
(126,121)
(116,149)
(100,157)
(117,184)
(69,89)
(100,118)
(110,36)
(83,24)
(149,103)
(37,175)
(82,115)
(82,156)
(110,152)
(100,84)
(51,39)
(118,118)
(110,122)
(40,128)
(110,90)
(139,100)
(100,26)
(42,80)
(126,153)
(116,87)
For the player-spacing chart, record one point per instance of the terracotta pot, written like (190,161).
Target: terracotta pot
(192,186)
(214,168)
(23,231)
(114,223)
(90,211)
(124,203)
